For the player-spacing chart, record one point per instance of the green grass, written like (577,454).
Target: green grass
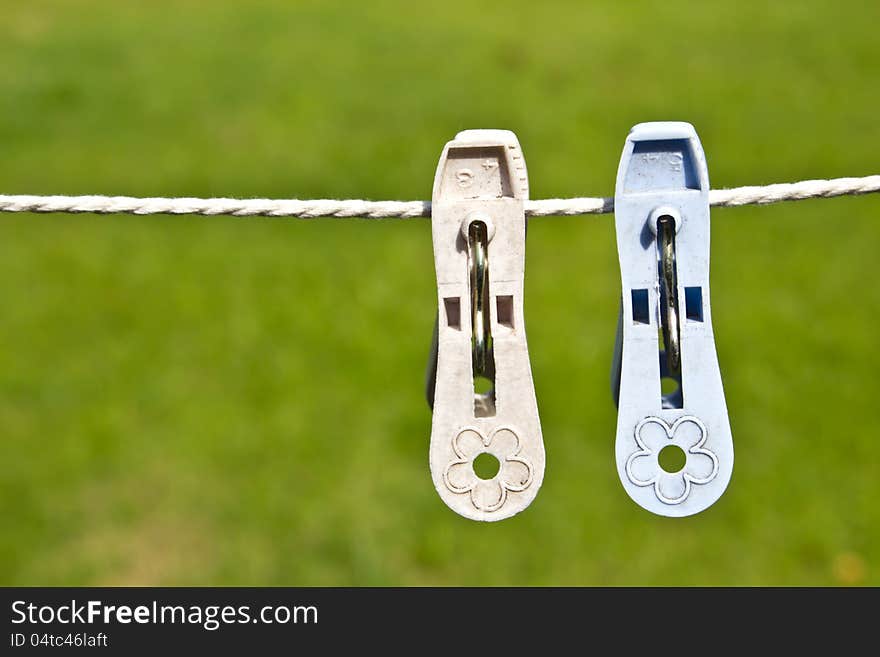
(240,401)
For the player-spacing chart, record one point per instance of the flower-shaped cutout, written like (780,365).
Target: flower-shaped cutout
(652,435)
(514,472)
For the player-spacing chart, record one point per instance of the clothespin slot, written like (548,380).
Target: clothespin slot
(665,376)
(479,378)
(483,356)
(669,293)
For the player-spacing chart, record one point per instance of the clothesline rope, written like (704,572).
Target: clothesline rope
(313,209)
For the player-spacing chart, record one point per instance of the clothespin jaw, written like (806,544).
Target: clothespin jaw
(665,336)
(480,381)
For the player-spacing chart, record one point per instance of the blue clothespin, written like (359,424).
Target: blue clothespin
(661,208)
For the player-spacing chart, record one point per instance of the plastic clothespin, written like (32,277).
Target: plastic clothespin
(479,230)
(661,208)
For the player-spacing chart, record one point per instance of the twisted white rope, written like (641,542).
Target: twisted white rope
(409,209)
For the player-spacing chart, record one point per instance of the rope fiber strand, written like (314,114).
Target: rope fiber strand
(312,209)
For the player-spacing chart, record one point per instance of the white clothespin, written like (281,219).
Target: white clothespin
(661,208)
(479,231)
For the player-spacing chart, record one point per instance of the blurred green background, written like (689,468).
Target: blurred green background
(240,401)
